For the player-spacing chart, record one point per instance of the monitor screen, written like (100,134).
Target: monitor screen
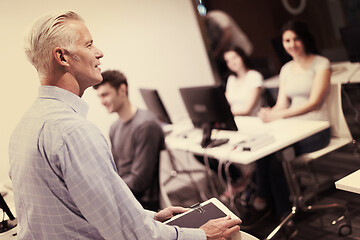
(208,109)
(154,104)
(351,39)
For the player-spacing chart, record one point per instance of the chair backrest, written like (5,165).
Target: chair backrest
(339,127)
(350,95)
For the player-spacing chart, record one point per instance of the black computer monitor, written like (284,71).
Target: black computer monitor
(351,40)
(208,109)
(154,104)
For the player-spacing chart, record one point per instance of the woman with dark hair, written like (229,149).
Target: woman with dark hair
(304,85)
(304,81)
(304,35)
(244,84)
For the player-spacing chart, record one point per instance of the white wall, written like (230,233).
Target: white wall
(155,43)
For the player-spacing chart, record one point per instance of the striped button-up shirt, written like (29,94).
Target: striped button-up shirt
(65,181)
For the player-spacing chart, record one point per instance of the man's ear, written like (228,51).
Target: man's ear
(60,56)
(122,89)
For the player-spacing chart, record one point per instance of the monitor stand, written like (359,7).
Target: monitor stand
(207,142)
(6,225)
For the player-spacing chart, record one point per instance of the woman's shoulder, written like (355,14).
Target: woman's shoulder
(254,78)
(286,67)
(255,74)
(231,78)
(320,58)
(321,62)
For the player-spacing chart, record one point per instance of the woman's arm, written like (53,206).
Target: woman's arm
(282,101)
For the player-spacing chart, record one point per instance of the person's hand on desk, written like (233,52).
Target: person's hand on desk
(169,212)
(268,114)
(221,228)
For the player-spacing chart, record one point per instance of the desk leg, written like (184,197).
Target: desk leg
(286,156)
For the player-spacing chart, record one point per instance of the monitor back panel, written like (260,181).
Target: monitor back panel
(208,104)
(154,104)
(351,40)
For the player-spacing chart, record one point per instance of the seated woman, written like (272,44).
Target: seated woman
(244,84)
(304,85)
(243,91)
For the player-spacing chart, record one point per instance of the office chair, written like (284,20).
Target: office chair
(350,98)
(194,176)
(176,171)
(341,136)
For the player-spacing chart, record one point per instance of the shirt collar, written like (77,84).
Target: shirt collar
(70,99)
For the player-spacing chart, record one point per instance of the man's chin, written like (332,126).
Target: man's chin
(98,80)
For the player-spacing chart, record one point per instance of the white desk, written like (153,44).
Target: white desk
(285,131)
(350,183)
(344,72)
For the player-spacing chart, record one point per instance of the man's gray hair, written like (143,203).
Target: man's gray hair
(47,33)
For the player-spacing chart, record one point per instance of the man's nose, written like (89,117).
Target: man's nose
(99,53)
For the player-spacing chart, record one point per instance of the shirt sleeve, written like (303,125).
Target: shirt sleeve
(101,196)
(255,79)
(321,63)
(184,233)
(284,71)
(190,233)
(230,83)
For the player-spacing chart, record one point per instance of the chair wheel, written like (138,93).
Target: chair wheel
(344,229)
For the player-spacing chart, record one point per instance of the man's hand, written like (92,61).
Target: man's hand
(169,212)
(221,228)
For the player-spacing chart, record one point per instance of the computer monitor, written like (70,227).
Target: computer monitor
(154,104)
(208,109)
(351,39)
